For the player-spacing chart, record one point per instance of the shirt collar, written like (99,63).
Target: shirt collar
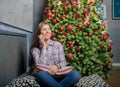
(51,42)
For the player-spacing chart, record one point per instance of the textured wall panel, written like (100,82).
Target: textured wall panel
(13,54)
(18,13)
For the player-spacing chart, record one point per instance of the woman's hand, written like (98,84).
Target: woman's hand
(53,69)
(41,40)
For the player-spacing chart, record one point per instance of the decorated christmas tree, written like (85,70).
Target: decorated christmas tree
(81,27)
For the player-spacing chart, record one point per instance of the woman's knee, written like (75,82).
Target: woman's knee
(75,75)
(41,74)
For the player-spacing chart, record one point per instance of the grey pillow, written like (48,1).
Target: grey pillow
(91,81)
(27,81)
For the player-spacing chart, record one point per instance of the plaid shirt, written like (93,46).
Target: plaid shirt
(52,55)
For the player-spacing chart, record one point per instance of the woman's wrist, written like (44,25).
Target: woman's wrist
(58,66)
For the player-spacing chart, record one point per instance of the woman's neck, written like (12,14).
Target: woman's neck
(47,42)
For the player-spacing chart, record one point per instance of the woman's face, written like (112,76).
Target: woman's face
(46,32)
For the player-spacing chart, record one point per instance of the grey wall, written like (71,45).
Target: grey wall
(8,28)
(38,6)
(14,52)
(17,17)
(114,31)
(18,13)
(13,55)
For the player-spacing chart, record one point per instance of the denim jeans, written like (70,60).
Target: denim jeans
(46,80)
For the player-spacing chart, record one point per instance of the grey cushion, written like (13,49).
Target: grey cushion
(24,80)
(27,80)
(91,81)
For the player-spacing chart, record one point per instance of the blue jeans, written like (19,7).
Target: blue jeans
(46,80)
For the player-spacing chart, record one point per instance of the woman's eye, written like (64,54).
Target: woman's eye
(47,29)
(43,29)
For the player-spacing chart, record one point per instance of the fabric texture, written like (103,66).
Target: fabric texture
(26,80)
(92,81)
(52,55)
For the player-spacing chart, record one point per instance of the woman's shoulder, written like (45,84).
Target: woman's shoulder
(56,43)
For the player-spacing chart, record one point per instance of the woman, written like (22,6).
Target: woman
(50,53)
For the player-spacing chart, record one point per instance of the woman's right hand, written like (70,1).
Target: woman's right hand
(41,40)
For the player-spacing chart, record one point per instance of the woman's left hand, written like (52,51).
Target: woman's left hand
(53,69)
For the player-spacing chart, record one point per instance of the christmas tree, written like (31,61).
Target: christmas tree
(81,27)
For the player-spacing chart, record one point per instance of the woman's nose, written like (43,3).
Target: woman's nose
(48,30)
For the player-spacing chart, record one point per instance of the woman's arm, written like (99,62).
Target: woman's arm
(38,55)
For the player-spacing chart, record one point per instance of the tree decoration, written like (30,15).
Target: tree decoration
(80,26)
(91,2)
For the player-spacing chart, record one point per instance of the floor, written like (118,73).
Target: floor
(114,79)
